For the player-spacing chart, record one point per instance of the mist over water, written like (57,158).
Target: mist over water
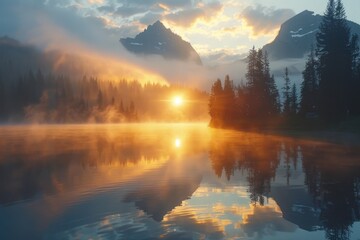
(104,144)
(173,181)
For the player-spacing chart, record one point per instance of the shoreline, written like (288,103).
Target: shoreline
(329,136)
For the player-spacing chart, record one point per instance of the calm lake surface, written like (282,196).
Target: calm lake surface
(174,181)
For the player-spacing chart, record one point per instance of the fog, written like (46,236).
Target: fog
(85,45)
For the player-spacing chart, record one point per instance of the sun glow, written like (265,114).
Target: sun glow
(177,101)
(177,143)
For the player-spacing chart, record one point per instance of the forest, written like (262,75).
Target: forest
(329,92)
(54,87)
(39,98)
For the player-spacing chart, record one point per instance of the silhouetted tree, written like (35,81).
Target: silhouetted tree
(100,99)
(229,102)
(272,94)
(121,107)
(2,98)
(355,83)
(216,104)
(293,101)
(309,86)
(261,88)
(334,52)
(274,100)
(287,94)
(254,103)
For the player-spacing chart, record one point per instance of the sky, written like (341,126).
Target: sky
(221,29)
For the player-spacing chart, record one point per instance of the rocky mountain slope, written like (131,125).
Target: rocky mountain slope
(156,39)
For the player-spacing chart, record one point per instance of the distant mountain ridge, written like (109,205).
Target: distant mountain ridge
(297,34)
(156,39)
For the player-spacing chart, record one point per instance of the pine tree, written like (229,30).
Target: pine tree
(229,101)
(121,107)
(272,94)
(40,84)
(242,101)
(100,100)
(293,101)
(261,89)
(132,107)
(286,93)
(2,98)
(216,104)
(334,52)
(355,83)
(309,86)
(252,77)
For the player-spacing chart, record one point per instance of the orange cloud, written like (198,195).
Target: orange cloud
(188,17)
(95,1)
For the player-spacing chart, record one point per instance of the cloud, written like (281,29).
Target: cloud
(150,3)
(107,8)
(265,220)
(96,1)
(50,27)
(264,20)
(129,8)
(188,17)
(150,18)
(96,27)
(223,56)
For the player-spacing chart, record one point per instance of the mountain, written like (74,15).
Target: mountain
(17,58)
(156,39)
(296,36)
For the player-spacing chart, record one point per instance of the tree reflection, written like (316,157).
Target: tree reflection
(332,177)
(291,156)
(331,173)
(257,156)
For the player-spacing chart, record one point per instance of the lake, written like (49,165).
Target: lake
(174,181)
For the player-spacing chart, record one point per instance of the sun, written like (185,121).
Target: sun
(177,143)
(177,101)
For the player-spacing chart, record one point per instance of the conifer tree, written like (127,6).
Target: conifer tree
(261,88)
(334,52)
(355,83)
(100,100)
(293,101)
(229,101)
(2,99)
(272,94)
(251,68)
(286,93)
(309,86)
(216,104)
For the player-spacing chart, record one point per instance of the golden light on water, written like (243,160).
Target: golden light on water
(177,143)
(177,101)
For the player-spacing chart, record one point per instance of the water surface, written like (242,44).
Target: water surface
(174,181)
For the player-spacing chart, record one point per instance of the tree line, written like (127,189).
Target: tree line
(50,98)
(329,91)
(257,100)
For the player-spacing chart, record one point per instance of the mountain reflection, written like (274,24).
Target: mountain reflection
(258,156)
(332,173)
(174,181)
